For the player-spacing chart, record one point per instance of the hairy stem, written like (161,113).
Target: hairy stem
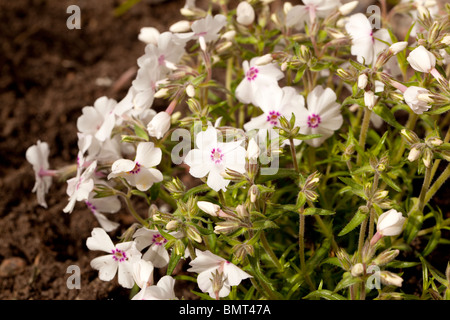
(363,134)
(270,252)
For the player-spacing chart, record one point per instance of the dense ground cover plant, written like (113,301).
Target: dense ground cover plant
(314,137)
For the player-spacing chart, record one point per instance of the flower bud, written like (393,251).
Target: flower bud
(433,33)
(193,234)
(254,193)
(180,26)
(159,125)
(446,40)
(414,154)
(190,91)
(241,250)
(149,35)
(265,59)
(344,259)
(242,212)
(245,13)
(172,225)
(208,207)
(411,96)
(421,59)
(253,151)
(369,99)
(398,47)
(390,223)
(357,270)
(410,136)
(390,279)
(434,141)
(385,257)
(229,35)
(362,81)
(348,7)
(218,280)
(427,157)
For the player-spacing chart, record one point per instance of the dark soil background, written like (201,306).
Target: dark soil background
(48,73)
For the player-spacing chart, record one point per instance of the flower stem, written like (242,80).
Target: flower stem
(133,211)
(437,184)
(294,154)
(425,186)
(301,243)
(270,252)
(363,134)
(409,125)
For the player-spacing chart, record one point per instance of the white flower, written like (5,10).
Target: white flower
(257,78)
(164,290)
(149,35)
(362,81)
(143,277)
(180,26)
(119,260)
(156,252)
(212,158)
(297,15)
(421,59)
(390,279)
(140,172)
(365,46)
(253,151)
(411,98)
(208,207)
(159,125)
(207,263)
(209,27)
(98,120)
(79,187)
(37,156)
(323,115)
(275,103)
(390,223)
(245,13)
(98,206)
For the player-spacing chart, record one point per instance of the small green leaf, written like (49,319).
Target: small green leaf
(141,133)
(390,182)
(357,219)
(322,212)
(386,114)
(433,242)
(346,282)
(173,261)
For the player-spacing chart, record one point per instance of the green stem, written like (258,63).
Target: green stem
(438,161)
(362,233)
(294,154)
(301,244)
(425,186)
(437,184)
(363,134)
(133,211)
(412,120)
(270,252)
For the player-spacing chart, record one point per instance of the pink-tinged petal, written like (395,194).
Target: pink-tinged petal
(199,162)
(147,155)
(158,255)
(100,241)
(244,92)
(106,266)
(143,237)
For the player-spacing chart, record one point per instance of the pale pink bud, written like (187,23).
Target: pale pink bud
(159,125)
(245,13)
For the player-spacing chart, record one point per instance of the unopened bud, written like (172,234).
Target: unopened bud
(446,40)
(254,193)
(434,141)
(414,154)
(390,279)
(433,33)
(398,47)
(226,226)
(344,259)
(369,99)
(161,93)
(348,7)
(265,59)
(425,97)
(223,46)
(172,225)
(427,157)
(242,212)
(229,35)
(180,26)
(193,234)
(385,257)
(357,270)
(362,81)
(380,195)
(241,250)
(208,207)
(410,136)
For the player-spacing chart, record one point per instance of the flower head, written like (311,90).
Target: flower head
(140,172)
(155,242)
(212,157)
(159,125)
(390,223)
(120,258)
(164,290)
(206,264)
(257,78)
(411,96)
(421,59)
(98,206)
(80,187)
(322,116)
(37,156)
(245,13)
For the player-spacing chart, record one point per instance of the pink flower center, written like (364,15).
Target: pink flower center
(273,117)
(313,120)
(159,239)
(216,155)
(161,60)
(136,169)
(252,73)
(119,255)
(91,206)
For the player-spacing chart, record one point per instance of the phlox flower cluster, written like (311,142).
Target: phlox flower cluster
(294,89)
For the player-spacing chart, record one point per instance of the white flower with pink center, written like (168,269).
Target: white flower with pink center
(164,290)
(323,115)
(257,78)
(156,253)
(37,156)
(206,264)
(98,206)
(80,186)
(212,157)
(140,172)
(298,15)
(275,103)
(120,258)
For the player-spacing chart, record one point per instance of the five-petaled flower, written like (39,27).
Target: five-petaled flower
(37,156)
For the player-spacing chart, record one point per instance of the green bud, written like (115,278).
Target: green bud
(385,257)
(410,136)
(193,234)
